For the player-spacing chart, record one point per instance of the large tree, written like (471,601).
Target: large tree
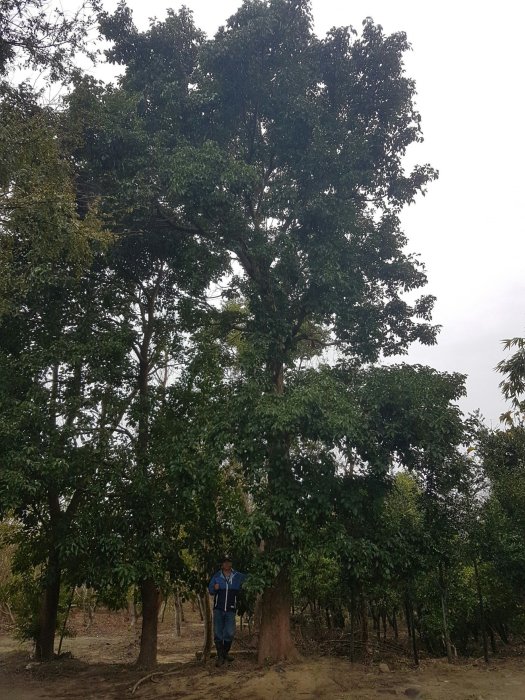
(285,151)
(160,281)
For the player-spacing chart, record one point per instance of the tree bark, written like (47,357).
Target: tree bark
(150,597)
(47,618)
(275,638)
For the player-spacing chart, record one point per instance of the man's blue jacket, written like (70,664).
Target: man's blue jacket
(226,597)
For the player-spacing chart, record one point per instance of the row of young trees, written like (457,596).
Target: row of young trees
(201,267)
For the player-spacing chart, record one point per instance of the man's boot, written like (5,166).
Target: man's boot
(227,656)
(220,653)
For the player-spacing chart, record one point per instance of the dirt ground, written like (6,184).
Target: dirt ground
(98,666)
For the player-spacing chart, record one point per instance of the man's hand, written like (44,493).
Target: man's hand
(216,586)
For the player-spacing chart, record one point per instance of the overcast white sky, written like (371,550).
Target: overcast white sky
(468,63)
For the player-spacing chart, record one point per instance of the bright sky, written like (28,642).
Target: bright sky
(468,64)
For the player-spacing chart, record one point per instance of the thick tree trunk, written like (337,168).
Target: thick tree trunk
(150,597)
(47,618)
(275,638)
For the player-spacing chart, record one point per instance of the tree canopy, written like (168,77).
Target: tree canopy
(203,269)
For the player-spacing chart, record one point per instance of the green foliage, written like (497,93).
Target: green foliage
(36,36)
(147,429)
(513,385)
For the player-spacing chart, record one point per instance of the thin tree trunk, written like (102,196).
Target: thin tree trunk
(501,629)
(444,613)
(275,638)
(376,622)
(200,606)
(10,613)
(150,598)
(149,592)
(352,625)
(132,609)
(411,627)
(87,608)
(492,640)
(383,620)
(178,615)
(394,624)
(364,628)
(66,618)
(208,628)
(481,613)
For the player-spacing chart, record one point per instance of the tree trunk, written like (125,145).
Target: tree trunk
(409,610)
(383,620)
(394,624)
(47,618)
(208,628)
(178,614)
(275,639)
(481,613)
(66,618)
(87,606)
(376,622)
(200,606)
(492,640)
(367,653)
(501,629)
(444,613)
(132,606)
(150,597)
(353,615)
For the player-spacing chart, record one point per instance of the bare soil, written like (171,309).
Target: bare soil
(98,665)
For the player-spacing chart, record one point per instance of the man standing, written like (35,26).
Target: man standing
(225,586)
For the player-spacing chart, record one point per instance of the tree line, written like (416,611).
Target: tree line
(203,267)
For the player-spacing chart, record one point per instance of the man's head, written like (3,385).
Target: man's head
(226,565)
